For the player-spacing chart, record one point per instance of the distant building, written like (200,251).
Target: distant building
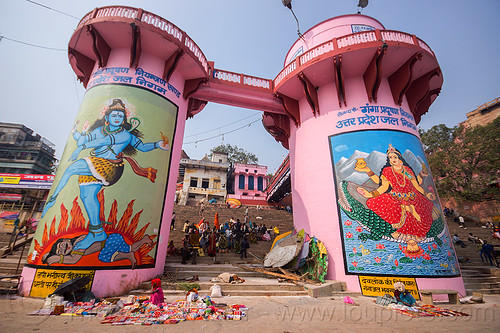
(484,114)
(250,182)
(22,152)
(204,179)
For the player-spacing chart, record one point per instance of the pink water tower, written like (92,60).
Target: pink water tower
(108,214)
(353,93)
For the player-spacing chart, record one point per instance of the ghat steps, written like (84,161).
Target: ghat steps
(476,274)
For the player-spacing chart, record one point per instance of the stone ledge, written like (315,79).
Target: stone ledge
(326,289)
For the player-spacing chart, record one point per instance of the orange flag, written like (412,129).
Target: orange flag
(216,221)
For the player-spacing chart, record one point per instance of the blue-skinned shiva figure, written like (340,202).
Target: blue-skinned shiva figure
(112,140)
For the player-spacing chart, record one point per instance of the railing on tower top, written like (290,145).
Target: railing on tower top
(352,41)
(152,19)
(336,45)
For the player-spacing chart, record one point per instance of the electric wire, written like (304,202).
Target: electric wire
(33,45)
(55,10)
(216,136)
(218,128)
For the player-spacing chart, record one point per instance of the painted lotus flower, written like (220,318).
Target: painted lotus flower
(396,263)
(380,246)
(401,247)
(359,229)
(354,250)
(434,245)
(348,223)
(377,260)
(349,235)
(426,256)
(354,263)
(429,248)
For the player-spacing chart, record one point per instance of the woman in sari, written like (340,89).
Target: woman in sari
(399,199)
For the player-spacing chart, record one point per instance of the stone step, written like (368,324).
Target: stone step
(249,284)
(221,257)
(8,285)
(475,276)
(243,293)
(10,270)
(482,285)
(12,261)
(253,286)
(180,271)
(484,291)
(477,268)
(207,267)
(218,261)
(9,265)
(479,278)
(210,275)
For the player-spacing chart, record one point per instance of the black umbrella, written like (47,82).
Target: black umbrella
(71,286)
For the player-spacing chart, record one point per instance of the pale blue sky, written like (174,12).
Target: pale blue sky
(38,87)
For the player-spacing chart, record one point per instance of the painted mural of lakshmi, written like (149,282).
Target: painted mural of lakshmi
(399,199)
(112,140)
(394,205)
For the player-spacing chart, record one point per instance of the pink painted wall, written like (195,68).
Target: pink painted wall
(248,170)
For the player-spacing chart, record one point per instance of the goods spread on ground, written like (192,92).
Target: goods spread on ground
(138,312)
(425,311)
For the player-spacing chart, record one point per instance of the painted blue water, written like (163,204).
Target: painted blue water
(386,258)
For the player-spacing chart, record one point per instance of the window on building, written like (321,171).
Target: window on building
(191,196)
(250,183)
(246,170)
(205,182)
(217,183)
(241,182)
(260,184)
(255,171)
(220,160)
(244,193)
(193,182)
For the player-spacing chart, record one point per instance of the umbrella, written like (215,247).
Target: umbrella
(233,203)
(70,286)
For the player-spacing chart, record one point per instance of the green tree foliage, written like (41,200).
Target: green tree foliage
(235,154)
(465,162)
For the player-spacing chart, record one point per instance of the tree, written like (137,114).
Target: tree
(235,154)
(465,161)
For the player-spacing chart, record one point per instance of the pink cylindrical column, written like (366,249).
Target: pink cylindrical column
(109,211)
(354,92)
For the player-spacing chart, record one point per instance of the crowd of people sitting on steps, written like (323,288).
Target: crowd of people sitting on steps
(207,238)
(485,250)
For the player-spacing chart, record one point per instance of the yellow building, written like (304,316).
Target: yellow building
(484,114)
(204,180)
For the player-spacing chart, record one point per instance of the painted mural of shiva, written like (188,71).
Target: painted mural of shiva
(112,140)
(399,199)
